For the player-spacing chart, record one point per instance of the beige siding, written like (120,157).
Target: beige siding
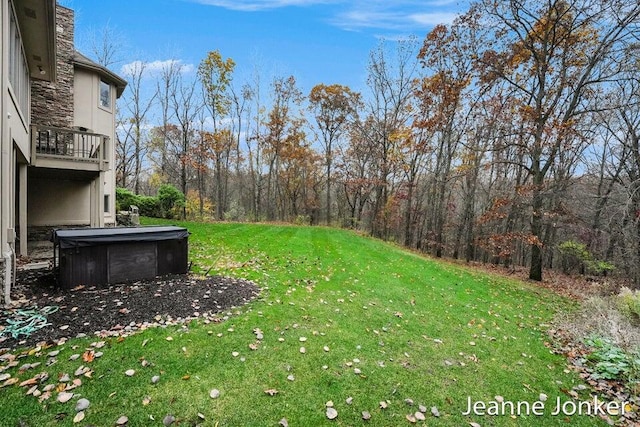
(89,114)
(44,205)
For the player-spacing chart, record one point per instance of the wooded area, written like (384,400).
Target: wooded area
(511,136)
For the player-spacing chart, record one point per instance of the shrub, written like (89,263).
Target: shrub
(171,201)
(125,198)
(192,204)
(149,206)
(235,212)
(576,256)
(628,303)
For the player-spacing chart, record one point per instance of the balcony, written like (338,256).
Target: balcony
(69,149)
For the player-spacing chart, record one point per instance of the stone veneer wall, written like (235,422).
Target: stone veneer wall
(52,103)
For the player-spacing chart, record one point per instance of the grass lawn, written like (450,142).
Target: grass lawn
(378,324)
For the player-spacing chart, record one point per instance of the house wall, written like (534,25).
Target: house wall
(52,102)
(49,193)
(99,120)
(14,135)
(4,132)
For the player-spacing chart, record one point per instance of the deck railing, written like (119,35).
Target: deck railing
(70,144)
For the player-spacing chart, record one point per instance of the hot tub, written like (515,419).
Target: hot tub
(97,256)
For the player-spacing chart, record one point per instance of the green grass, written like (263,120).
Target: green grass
(418,329)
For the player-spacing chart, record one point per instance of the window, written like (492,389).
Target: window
(106,203)
(105,94)
(18,69)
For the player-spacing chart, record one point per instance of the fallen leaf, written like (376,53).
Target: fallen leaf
(284,423)
(129,372)
(186,377)
(79,417)
(146,400)
(122,420)
(30,381)
(64,397)
(271,392)
(88,356)
(419,416)
(472,424)
(410,418)
(214,393)
(366,415)
(10,381)
(383,404)
(435,411)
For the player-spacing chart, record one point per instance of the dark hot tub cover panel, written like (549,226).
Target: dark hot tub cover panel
(82,237)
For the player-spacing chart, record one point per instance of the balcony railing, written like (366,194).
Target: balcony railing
(61,144)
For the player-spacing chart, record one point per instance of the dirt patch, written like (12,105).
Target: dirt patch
(118,309)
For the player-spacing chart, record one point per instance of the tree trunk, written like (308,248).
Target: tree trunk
(535,271)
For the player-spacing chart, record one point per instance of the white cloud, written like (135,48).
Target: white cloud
(432,19)
(155,67)
(397,15)
(256,5)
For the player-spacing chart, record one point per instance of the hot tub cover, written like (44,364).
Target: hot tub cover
(79,237)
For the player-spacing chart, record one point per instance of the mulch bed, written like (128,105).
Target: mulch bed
(122,308)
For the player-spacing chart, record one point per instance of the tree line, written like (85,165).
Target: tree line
(510,136)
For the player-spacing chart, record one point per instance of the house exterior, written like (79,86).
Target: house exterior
(57,129)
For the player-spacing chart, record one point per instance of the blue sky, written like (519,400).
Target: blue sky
(317,41)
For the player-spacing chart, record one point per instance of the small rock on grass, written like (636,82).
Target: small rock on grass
(155,379)
(214,393)
(129,372)
(366,415)
(283,423)
(122,420)
(435,411)
(82,404)
(168,420)
(332,414)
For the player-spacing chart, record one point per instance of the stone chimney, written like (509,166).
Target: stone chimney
(52,102)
